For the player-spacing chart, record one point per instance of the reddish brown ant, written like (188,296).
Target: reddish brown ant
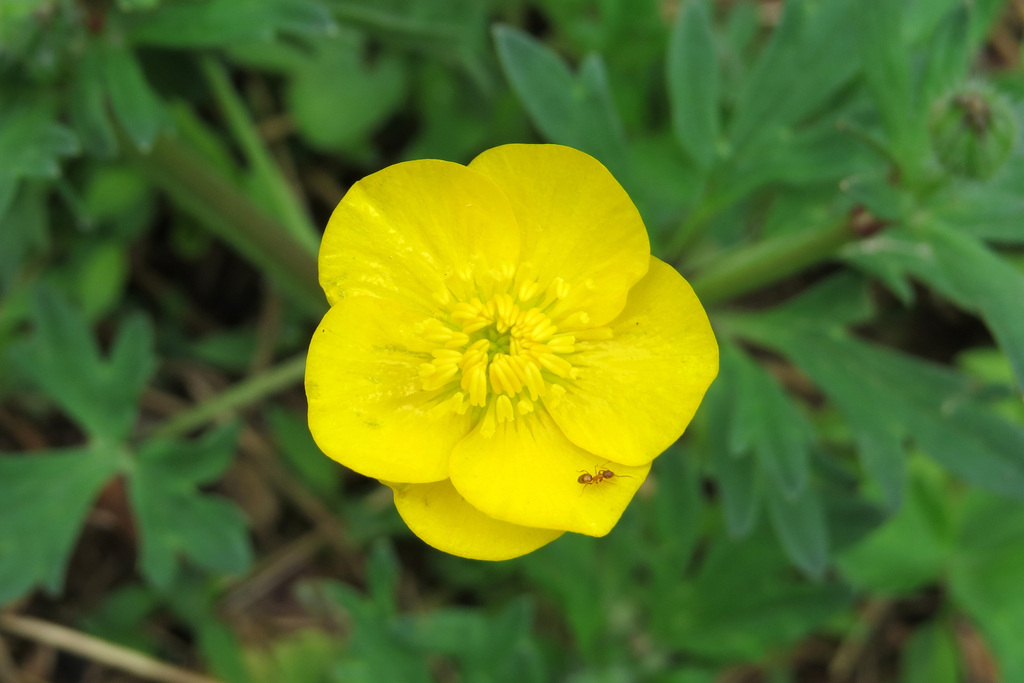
(600,474)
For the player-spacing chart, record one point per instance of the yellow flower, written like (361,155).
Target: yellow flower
(496,333)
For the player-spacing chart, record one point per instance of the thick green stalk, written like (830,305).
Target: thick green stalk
(240,395)
(286,205)
(223,209)
(745,269)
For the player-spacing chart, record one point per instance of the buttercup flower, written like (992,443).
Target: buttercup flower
(502,350)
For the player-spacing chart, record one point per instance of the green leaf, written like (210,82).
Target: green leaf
(988,284)
(194,601)
(114,192)
(931,656)
(215,23)
(811,56)
(435,25)
(887,69)
(896,254)
(991,367)
(800,524)
(175,519)
(134,102)
(44,499)
(895,397)
(32,144)
(384,572)
(23,231)
(565,570)
(63,360)
(678,517)
(496,648)
(305,655)
(221,649)
(118,616)
(816,156)
(922,17)
(851,514)
(877,193)
(767,423)
(100,277)
(948,56)
(762,445)
(571,110)
(300,452)
(912,548)
(197,462)
(89,104)
(693,82)
(738,478)
(745,600)
(374,651)
(774,67)
(737,474)
(988,211)
(831,305)
(339,97)
(984,578)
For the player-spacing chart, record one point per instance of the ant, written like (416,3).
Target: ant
(600,474)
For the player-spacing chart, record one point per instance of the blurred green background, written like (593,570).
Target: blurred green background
(842,181)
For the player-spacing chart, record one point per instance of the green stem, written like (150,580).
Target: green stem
(215,202)
(743,270)
(281,195)
(243,394)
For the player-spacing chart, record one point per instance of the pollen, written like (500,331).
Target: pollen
(505,342)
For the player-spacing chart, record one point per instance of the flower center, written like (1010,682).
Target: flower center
(505,342)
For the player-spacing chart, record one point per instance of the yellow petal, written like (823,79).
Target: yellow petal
(577,222)
(528,473)
(367,409)
(442,518)
(635,393)
(408,230)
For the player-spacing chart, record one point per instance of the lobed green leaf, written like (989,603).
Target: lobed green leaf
(573,110)
(893,398)
(175,519)
(44,499)
(693,87)
(63,360)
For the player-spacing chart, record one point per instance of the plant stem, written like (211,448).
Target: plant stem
(224,210)
(286,204)
(244,393)
(97,650)
(743,270)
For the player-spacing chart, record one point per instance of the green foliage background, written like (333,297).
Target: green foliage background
(841,180)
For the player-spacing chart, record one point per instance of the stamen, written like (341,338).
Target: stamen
(507,312)
(534,380)
(488,424)
(453,404)
(503,377)
(525,406)
(504,411)
(555,395)
(507,340)
(563,343)
(555,364)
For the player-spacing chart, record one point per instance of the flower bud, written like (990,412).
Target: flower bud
(973,131)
